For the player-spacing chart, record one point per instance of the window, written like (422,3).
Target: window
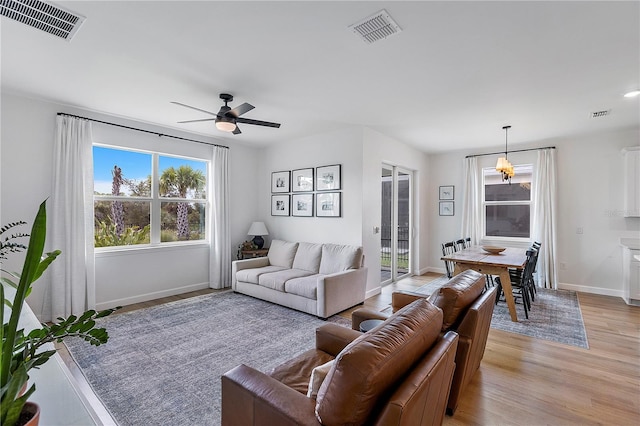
(507,207)
(147,197)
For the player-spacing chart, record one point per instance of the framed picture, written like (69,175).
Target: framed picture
(446,208)
(328,178)
(329,204)
(446,192)
(280,205)
(302,205)
(302,180)
(280,181)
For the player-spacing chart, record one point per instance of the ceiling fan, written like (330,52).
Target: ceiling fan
(226,119)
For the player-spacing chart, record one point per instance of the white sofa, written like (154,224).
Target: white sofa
(319,279)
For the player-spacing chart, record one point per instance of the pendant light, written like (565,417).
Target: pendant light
(504,166)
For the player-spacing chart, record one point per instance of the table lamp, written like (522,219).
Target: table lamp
(258,229)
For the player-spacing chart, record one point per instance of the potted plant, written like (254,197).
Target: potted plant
(21,351)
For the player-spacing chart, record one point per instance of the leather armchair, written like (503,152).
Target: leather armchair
(399,373)
(469,314)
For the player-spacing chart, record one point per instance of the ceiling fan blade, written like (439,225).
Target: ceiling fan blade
(240,109)
(257,122)
(197,109)
(237,130)
(195,121)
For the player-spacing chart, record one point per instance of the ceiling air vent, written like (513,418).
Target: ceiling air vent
(603,113)
(47,17)
(376,27)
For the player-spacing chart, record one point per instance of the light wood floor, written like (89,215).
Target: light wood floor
(527,381)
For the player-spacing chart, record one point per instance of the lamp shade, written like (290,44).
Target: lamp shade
(502,164)
(258,228)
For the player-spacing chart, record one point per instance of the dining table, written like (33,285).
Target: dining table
(476,258)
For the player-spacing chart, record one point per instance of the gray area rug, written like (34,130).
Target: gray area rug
(555,315)
(162,365)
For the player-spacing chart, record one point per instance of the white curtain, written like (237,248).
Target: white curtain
(220,253)
(471,202)
(71,219)
(544,217)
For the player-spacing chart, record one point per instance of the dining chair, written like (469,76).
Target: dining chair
(467,242)
(521,282)
(460,244)
(447,249)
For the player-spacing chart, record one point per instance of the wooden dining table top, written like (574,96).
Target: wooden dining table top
(475,255)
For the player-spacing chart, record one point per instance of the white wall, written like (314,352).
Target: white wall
(589,197)
(27,133)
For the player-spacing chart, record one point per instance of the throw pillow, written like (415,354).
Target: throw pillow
(317,377)
(281,253)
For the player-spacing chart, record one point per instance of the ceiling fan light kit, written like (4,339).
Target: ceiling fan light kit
(227,119)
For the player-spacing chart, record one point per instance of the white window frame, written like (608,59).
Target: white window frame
(485,203)
(156,201)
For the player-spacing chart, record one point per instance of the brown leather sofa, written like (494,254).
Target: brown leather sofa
(468,309)
(399,373)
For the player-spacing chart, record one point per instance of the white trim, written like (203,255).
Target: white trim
(373,292)
(151,296)
(592,290)
(126,250)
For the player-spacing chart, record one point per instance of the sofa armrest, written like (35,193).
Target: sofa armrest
(250,397)
(341,290)
(239,265)
(333,338)
(401,298)
(364,314)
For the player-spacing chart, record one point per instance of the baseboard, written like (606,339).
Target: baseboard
(373,292)
(151,296)
(592,290)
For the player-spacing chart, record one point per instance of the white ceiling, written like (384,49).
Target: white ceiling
(455,75)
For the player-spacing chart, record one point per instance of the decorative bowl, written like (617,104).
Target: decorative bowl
(493,249)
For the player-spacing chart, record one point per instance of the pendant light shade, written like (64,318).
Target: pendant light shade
(503,165)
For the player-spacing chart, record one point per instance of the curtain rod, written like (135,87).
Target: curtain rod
(140,130)
(515,150)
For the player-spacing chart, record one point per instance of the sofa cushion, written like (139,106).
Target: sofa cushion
(296,372)
(305,286)
(368,366)
(276,280)
(338,258)
(281,253)
(251,275)
(456,295)
(308,257)
(318,375)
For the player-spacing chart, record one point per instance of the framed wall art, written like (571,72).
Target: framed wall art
(329,204)
(328,178)
(447,192)
(280,205)
(446,208)
(302,205)
(302,180)
(280,181)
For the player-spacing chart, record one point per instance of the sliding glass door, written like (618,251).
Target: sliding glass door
(396,223)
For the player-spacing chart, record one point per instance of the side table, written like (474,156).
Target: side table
(250,254)
(368,325)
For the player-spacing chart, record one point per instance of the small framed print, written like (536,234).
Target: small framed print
(302,205)
(280,205)
(329,204)
(328,178)
(280,181)
(446,192)
(302,180)
(446,208)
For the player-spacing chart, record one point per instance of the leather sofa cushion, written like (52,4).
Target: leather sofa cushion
(457,295)
(252,275)
(308,257)
(372,363)
(304,286)
(276,280)
(338,258)
(281,253)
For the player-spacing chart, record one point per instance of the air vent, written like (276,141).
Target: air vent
(376,27)
(598,114)
(46,17)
